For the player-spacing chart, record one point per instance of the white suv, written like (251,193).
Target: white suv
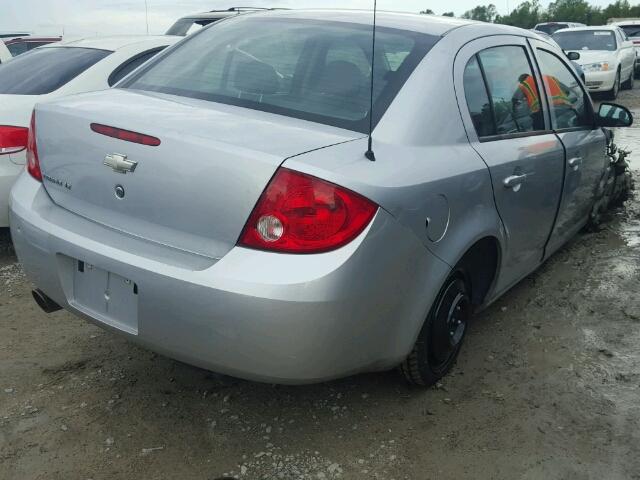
(552,27)
(192,23)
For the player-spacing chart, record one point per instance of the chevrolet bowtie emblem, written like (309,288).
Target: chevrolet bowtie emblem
(119,163)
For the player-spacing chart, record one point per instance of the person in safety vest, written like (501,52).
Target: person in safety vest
(529,90)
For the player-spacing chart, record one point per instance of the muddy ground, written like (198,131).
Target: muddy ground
(547,387)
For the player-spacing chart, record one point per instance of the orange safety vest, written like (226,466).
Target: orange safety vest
(529,89)
(555,91)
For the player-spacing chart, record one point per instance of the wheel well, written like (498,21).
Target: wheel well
(480,265)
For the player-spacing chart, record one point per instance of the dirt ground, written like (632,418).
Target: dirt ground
(547,387)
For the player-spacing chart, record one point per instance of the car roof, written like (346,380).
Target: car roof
(631,21)
(116,42)
(559,22)
(611,28)
(429,24)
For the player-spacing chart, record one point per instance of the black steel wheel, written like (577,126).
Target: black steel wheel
(442,334)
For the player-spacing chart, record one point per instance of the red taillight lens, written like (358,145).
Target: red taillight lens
(13,139)
(298,213)
(33,163)
(126,135)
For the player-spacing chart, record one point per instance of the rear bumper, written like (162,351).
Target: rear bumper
(255,315)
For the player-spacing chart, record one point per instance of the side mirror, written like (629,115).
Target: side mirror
(573,56)
(612,115)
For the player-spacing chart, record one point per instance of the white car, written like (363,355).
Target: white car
(631,28)
(606,55)
(192,23)
(54,71)
(552,27)
(5,54)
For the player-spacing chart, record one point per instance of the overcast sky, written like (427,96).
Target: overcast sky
(102,17)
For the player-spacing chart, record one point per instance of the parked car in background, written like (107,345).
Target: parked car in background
(606,56)
(552,27)
(221,205)
(192,23)
(54,71)
(9,35)
(20,45)
(631,28)
(5,54)
(576,66)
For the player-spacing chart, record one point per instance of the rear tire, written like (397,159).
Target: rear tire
(442,334)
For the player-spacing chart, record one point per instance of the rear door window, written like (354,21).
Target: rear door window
(570,104)
(512,89)
(45,70)
(478,102)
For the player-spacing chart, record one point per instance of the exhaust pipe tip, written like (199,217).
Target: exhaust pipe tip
(45,303)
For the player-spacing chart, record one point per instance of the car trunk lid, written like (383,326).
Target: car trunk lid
(195,190)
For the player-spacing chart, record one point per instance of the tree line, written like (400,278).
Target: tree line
(530,12)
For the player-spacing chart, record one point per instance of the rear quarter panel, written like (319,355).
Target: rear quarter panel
(426,174)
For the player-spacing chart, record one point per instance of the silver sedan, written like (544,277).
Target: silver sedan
(222,204)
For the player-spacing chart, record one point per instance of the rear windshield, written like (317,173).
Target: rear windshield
(314,70)
(187,26)
(551,28)
(631,30)
(586,40)
(45,70)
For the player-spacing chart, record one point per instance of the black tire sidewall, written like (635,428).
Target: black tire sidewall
(428,373)
(613,94)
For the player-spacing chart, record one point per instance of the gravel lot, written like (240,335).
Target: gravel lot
(547,386)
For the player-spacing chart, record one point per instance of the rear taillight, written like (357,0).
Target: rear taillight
(298,213)
(33,163)
(12,139)
(125,135)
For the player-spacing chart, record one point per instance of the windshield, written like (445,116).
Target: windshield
(631,30)
(314,70)
(187,26)
(45,70)
(551,28)
(587,40)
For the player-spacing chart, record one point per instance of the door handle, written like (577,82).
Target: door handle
(575,163)
(514,181)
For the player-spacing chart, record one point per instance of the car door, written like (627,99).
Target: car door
(508,126)
(573,121)
(629,53)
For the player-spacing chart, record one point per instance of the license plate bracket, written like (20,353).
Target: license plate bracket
(105,296)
